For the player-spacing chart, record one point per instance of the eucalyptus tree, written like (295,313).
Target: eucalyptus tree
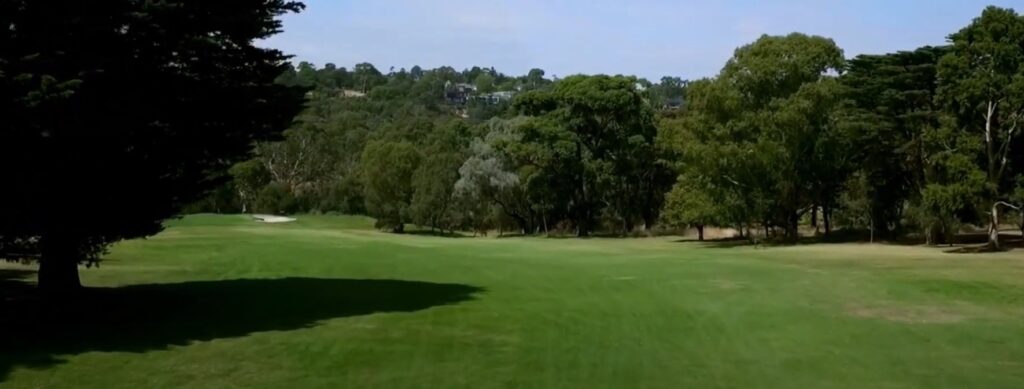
(598,133)
(766,129)
(982,85)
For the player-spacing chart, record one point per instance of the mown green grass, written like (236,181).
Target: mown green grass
(240,304)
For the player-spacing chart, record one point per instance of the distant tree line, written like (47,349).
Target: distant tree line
(916,141)
(575,154)
(789,134)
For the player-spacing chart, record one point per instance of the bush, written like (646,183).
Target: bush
(277,199)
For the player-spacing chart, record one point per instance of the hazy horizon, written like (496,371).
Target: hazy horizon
(646,38)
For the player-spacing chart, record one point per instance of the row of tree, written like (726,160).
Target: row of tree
(789,132)
(922,140)
(405,154)
(118,116)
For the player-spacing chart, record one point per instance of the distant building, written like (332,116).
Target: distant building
(344,93)
(673,103)
(458,93)
(496,97)
(351,93)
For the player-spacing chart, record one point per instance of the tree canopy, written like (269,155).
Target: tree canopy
(120,117)
(118,114)
(982,89)
(789,133)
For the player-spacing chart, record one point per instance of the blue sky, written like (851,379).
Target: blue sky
(648,38)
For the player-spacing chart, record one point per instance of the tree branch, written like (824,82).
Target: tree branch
(1005,150)
(1008,205)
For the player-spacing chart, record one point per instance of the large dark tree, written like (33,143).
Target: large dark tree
(117,113)
(598,133)
(894,108)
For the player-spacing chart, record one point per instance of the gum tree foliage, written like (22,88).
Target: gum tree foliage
(388,169)
(597,134)
(766,132)
(488,176)
(690,203)
(982,86)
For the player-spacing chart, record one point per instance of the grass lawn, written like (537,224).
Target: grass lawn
(221,302)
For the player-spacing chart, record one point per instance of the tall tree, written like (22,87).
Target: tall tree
(893,110)
(433,190)
(118,113)
(247,179)
(765,130)
(690,203)
(982,84)
(489,173)
(366,76)
(593,126)
(388,168)
(484,83)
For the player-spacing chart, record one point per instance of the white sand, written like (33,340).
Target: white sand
(273,219)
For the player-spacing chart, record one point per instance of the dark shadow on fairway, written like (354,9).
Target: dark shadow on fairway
(14,275)
(438,234)
(570,236)
(718,243)
(978,244)
(962,242)
(35,332)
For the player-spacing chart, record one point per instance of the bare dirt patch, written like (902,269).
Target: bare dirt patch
(911,314)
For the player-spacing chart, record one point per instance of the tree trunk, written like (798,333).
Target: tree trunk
(814,218)
(581,229)
(793,227)
(583,208)
(993,228)
(58,266)
(826,216)
(700,232)
(649,220)
(1021,212)
(872,227)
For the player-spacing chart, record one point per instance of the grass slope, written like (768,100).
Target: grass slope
(220,301)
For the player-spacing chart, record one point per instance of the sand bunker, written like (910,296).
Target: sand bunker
(273,219)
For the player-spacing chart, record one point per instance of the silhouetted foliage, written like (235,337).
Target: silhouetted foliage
(116,114)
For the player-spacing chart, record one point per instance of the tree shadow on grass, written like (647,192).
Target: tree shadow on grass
(37,332)
(14,274)
(718,243)
(964,243)
(436,234)
(978,244)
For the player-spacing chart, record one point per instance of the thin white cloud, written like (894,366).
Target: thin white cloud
(650,38)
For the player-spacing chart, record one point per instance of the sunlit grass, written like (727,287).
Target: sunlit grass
(537,312)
